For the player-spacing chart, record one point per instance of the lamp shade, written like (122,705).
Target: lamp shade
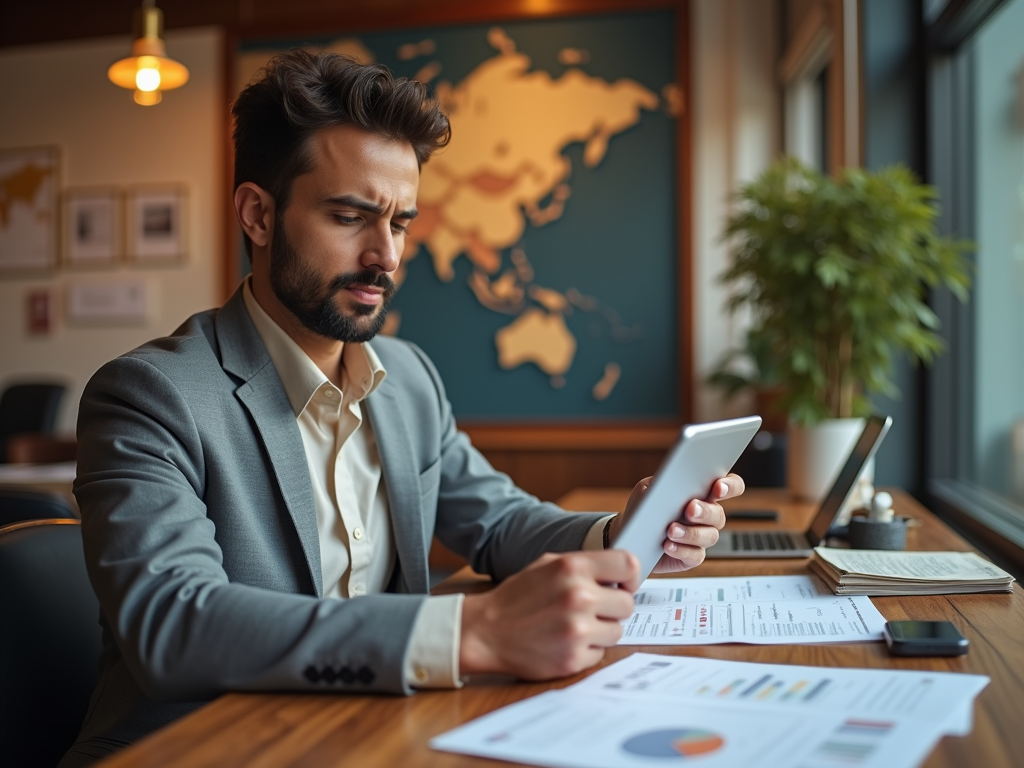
(148,71)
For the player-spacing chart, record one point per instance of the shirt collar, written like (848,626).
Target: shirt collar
(361,369)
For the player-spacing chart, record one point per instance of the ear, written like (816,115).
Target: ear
(254,207)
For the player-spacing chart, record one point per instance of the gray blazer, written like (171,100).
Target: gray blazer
(200,530)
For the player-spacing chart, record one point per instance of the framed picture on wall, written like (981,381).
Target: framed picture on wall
(156,224)
(29,180)
(93,226)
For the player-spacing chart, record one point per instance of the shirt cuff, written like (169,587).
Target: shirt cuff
(594,540)
(433,660)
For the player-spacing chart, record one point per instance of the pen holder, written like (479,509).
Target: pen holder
(865,534)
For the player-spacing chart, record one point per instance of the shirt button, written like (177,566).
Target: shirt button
(421,675)
(357,534)
(328,393)
(357,589)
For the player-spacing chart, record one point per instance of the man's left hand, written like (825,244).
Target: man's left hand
(697,527)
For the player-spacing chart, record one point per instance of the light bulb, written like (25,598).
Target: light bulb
(147,79)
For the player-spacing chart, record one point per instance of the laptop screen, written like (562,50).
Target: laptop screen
(867,444)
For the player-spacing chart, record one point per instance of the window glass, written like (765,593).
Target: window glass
(998,295)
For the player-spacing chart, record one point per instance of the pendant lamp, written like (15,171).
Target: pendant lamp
(148,71)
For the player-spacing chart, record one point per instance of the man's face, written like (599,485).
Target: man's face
(337,244)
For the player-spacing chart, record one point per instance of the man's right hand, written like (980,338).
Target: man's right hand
(553,619)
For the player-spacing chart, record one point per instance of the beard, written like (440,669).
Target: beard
(312,301)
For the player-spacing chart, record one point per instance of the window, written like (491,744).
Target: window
(976,393)
(819,77)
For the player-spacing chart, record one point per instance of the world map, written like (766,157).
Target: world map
(27,213)
(511,170)
(479,195)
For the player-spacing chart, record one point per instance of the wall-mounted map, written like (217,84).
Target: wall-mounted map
(28,208)
(541,273)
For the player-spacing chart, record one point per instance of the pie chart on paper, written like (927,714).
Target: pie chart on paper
(674,742)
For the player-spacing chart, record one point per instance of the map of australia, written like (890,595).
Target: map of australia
(510,126)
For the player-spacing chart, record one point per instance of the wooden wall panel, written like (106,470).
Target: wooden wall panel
(551,474)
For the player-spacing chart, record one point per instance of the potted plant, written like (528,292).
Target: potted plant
(835,273)
(753,368)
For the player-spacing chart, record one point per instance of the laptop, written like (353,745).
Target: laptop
(773,543)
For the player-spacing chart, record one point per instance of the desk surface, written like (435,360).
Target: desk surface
(326,730)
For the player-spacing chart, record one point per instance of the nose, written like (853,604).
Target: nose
(383,251)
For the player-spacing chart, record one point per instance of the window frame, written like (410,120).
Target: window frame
(990,521)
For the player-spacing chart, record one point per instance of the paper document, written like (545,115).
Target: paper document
(740,610)
(943,697)
(647,710)
(730,589)
(870,572)
(568,730)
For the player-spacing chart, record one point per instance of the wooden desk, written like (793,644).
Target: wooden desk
(325,730)
(46,478)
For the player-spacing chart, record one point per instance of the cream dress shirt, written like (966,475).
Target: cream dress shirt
(357,548)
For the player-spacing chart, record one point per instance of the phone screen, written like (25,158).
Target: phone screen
(909,631)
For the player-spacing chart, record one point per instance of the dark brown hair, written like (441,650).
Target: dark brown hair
(300,92)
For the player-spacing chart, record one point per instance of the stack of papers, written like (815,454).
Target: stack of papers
(875,572)
(761,610)
(665,710)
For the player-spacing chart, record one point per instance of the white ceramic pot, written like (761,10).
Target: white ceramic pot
(814,455)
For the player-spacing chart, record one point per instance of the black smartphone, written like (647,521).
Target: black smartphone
(924,638)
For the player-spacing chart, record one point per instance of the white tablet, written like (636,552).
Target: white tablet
(704,453)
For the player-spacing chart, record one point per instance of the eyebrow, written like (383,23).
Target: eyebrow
(352,201)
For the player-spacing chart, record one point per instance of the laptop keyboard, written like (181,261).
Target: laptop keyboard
(763,541)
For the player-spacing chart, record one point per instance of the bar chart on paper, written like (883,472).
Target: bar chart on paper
(766,687)
(859,693)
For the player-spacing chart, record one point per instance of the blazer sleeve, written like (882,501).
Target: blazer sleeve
(184,630)
(482,515)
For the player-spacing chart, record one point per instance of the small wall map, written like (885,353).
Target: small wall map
(28,216)
(540,275)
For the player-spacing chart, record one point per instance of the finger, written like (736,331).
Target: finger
(693,535)
(607,633)
(588,657)
(613,604)
(728,487)
(704,513)
(614,566)
(644,484)
(688,556)
(637,494)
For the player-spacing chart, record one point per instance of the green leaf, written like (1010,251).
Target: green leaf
(817,259)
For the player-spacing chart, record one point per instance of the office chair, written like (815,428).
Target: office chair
(28,408)
(50,643)
(18,506)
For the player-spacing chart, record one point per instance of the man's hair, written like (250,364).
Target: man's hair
(300,92)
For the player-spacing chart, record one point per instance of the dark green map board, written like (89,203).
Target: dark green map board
(541,274)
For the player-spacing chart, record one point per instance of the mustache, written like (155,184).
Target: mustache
(367,277)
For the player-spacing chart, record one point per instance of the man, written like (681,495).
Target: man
(259,490)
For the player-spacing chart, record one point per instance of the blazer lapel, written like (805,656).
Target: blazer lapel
(401,477)
(263,395)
